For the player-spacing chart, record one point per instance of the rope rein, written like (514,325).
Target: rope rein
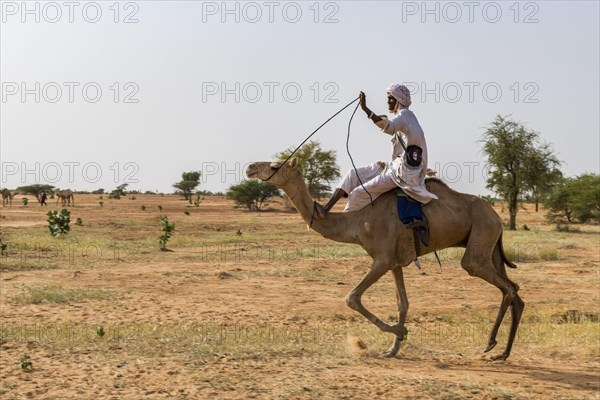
(309,136)
(351,160)
(347,150)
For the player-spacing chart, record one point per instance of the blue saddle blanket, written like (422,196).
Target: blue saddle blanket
(408,208)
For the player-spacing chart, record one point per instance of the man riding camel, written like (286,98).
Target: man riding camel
(408,167)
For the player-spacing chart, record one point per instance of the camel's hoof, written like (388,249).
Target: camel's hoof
(500,357)
(490,346)
(391,353)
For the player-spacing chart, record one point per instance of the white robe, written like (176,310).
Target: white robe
(382,176)
(410,179)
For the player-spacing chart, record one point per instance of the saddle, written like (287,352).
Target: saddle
(411,215)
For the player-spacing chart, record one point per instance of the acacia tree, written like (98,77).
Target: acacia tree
(318,166)
(517,163)
(35,190)
(189,181)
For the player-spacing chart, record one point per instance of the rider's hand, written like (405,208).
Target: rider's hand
(362,100)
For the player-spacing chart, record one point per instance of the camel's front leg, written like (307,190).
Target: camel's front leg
(353,299)
(402,299)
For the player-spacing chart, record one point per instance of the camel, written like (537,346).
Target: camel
(455,220)
(7,197)
(66,196)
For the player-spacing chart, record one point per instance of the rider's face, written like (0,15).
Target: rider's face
(391,100)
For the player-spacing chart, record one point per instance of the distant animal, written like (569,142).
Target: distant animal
(7,197)
(65,196)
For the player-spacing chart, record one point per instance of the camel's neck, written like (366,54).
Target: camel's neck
(336,226)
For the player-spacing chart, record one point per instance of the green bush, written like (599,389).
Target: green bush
(25,363)
(58,223)
(118,192)
(575,200)
(253,194)
(168,229)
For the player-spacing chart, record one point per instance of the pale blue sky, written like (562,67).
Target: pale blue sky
(180,55)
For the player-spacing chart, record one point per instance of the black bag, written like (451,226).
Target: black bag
(414,154)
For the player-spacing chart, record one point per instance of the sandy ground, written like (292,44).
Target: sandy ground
(209,322)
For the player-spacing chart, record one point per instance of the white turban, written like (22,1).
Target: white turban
(400,93)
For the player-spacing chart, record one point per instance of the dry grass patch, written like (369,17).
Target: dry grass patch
(38,294)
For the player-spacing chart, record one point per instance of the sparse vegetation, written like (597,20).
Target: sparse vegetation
(189,181)
(118,192)
(575,200)
(38,294)
(519,164)
(318,167)
(252,194)
(198,200)
(58,223)
(246,259)
(567,228)
(25,363)
(168,229)
(35,190)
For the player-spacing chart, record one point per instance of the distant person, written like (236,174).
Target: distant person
(43,198)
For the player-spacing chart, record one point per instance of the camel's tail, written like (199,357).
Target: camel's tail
(504,258)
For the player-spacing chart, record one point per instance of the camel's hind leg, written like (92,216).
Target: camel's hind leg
(488,265)
(516,305)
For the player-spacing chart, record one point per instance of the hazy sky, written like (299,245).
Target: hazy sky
(95,94)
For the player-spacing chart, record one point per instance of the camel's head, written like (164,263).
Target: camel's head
(275,172)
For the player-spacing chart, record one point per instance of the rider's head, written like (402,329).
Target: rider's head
(398,97)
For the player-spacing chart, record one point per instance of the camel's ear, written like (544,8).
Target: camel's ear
(293,162)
